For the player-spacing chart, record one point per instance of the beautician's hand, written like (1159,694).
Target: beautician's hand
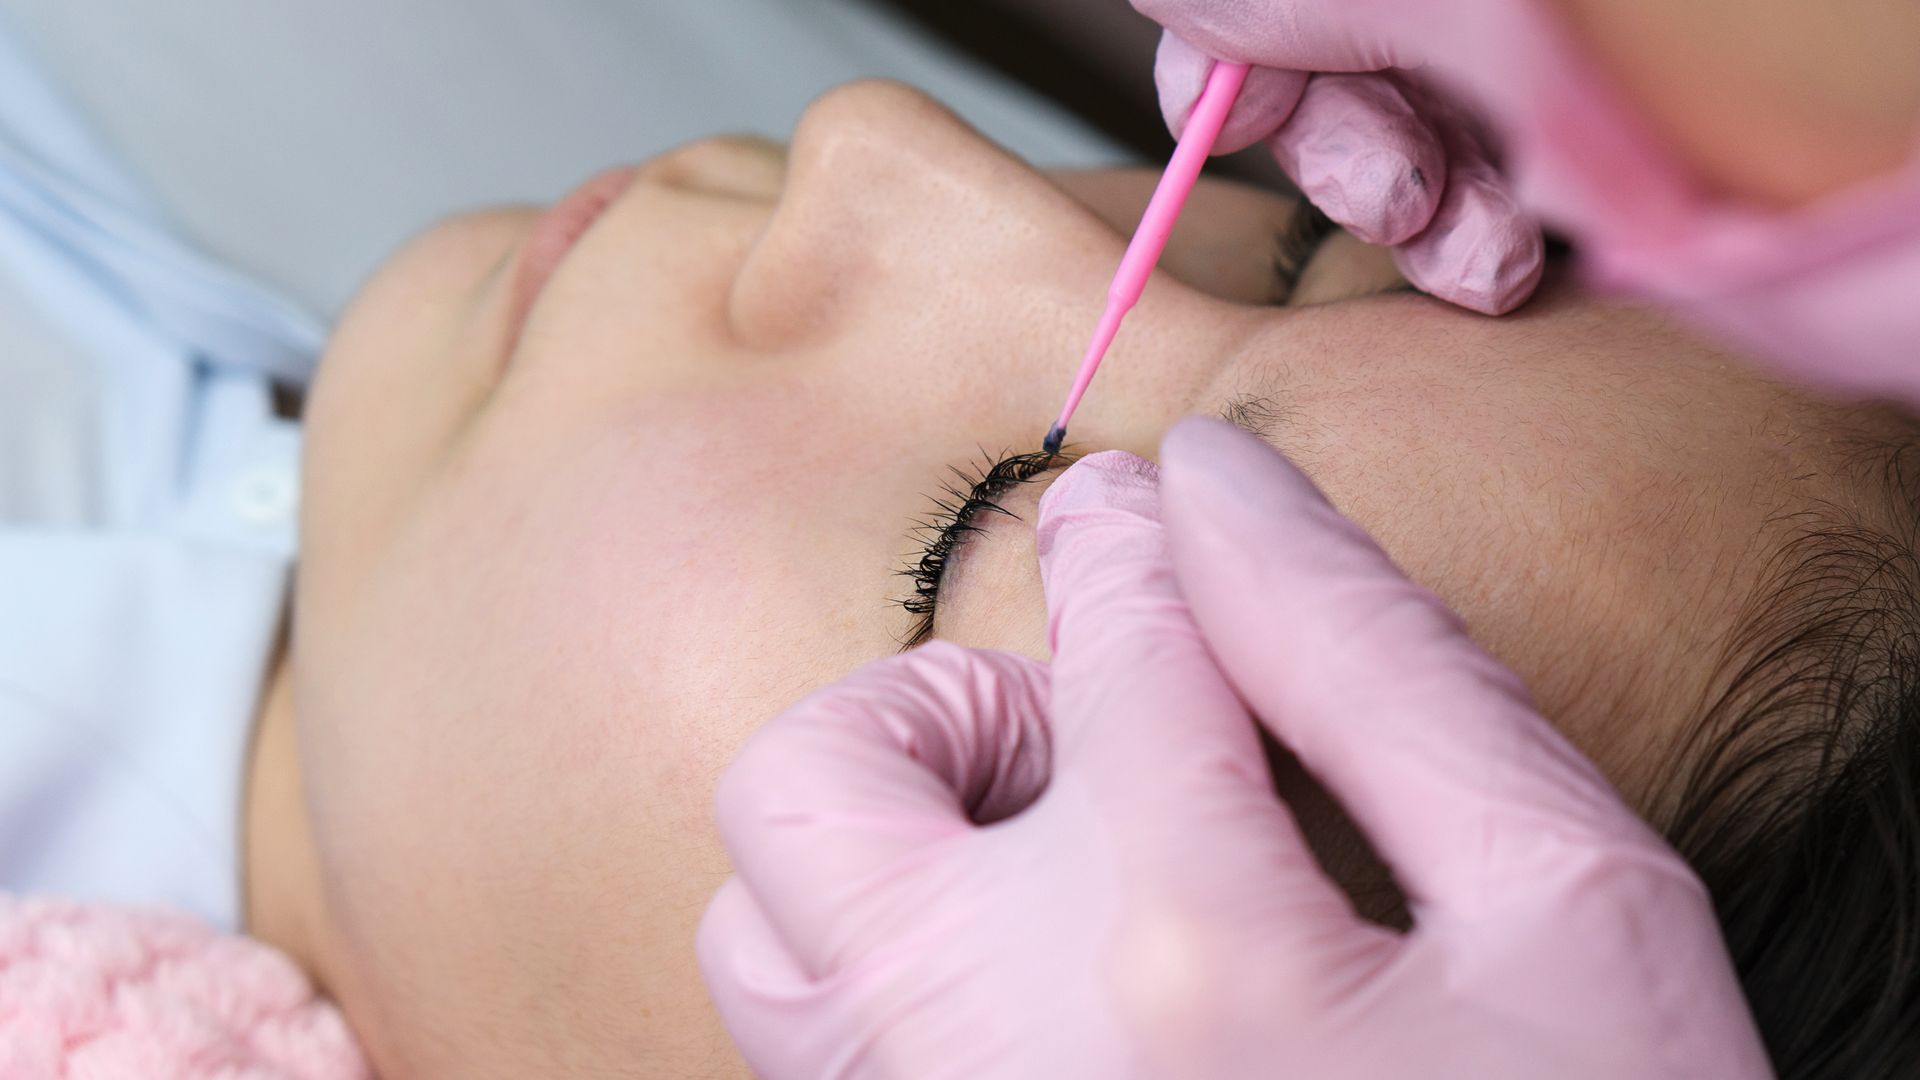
(1382,156)
(900,910)
(1819,284)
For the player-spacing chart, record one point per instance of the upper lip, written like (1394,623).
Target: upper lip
(556,232)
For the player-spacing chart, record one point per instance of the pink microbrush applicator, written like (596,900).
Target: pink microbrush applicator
(1150,239)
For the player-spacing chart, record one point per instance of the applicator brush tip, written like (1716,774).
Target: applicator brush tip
(1055,437)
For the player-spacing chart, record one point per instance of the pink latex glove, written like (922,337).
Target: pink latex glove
(1824,292)
(909,903)
(1384,157)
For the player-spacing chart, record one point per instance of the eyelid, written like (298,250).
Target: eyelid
(1301,244)
(944,540)
(1306,230)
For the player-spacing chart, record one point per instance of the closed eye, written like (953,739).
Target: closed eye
(1312,246)
(1307,228)
(972,492)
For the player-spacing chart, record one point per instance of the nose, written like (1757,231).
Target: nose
(744,167)
(892,200)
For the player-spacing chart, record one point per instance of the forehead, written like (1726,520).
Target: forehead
(1594,490)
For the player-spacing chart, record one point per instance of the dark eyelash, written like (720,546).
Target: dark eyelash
(1305,231)
(971,492)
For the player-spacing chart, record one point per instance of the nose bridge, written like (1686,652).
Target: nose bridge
(888,195)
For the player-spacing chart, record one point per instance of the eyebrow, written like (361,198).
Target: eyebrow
(1259,415)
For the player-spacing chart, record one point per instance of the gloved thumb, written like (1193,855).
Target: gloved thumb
(1266,100)
(1146,725)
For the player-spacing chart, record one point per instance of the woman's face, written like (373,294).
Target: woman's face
(576,526)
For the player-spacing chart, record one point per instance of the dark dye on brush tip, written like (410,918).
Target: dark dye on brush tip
(1055,437)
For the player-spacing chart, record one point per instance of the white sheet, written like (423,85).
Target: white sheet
(303,141)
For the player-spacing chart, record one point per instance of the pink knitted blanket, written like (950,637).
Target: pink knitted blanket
(90,991)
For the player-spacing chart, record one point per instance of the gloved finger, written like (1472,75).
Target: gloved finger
(775,1012)
(1145,721)
(1288,34)
(1266,99)
(1359,149)
(1429,743)
(843,797)
(1482,251)
(1127,658)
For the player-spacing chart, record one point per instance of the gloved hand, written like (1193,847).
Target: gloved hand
(1383,156)
(1824,291)
(909,902)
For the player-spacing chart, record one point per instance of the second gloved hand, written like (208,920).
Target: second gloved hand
(1385,158)
(1821,288)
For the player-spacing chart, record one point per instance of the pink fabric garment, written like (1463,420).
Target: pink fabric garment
(1824,292)
(91,992)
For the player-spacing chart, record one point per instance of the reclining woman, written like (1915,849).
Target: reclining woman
(591,493)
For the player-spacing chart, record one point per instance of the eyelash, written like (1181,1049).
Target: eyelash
(1305,231)
(971,493)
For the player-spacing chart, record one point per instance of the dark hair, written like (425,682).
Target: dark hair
(1800,805)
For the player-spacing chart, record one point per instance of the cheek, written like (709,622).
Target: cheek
(539,617)
(412,360)
(520,709)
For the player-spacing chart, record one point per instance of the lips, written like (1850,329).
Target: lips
(555,233)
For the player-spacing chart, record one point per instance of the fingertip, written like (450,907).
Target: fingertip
(755,980)
(1381,195)
(1135,699)
(1110,479)
(1265,104)
(1482,253)
(1232,505)
(1210,460)
(1101,514)
(1519,275)
(1360,151)
(731,928)
(1179,74)
(1266,100)
(1197,441)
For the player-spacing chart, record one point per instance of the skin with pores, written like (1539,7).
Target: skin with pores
(555,569)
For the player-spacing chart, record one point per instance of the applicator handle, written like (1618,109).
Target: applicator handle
(1156,225)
